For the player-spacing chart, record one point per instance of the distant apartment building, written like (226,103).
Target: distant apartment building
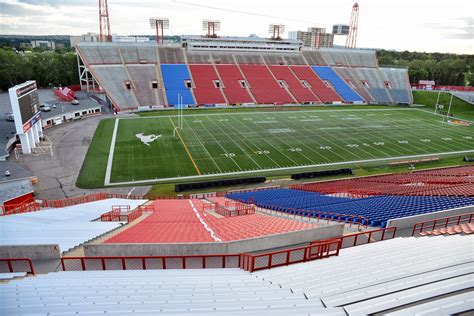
(89,37)
(129,39)
(314,37)
(43,44)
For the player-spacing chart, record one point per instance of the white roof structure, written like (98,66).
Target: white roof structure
(68,226)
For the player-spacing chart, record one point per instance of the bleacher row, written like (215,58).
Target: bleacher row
(208,78)
(441,182)
(375,211)
(401,276)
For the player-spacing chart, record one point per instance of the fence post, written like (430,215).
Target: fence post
(63,265)
(31,267)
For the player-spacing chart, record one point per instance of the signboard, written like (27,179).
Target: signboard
(25,106)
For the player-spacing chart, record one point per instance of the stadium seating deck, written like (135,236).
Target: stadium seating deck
(390,276)
(314,58)
(176,221)
(326,73)
(174,77)
(349,76)
(68,226)
(204,89)
(172,221)
(301,93)
(263,85)
(377,210)
(467,229)
(113,78)
(171,55)
(234,92)
(323,92)
(356,77)
(142,76)
(213,291)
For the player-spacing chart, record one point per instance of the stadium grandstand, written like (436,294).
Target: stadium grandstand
(264,250)
(138,75)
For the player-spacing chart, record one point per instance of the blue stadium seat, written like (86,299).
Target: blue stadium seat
(378,209)
(341,87)
(174,77)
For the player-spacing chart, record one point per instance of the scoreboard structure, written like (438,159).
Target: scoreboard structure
(26,111)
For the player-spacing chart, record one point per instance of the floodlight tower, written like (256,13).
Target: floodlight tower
(211,26)
(160,24)
(351,40)
(104,22)
(276,30)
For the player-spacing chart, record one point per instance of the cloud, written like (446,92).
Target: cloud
(7,9)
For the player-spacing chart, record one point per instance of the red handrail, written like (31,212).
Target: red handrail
(385,234)
(442,223)
(143,260)
(11,268)
(314,251)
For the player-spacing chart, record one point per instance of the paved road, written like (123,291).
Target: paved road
(57,175)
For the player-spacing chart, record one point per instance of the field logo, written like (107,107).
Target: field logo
(147,139)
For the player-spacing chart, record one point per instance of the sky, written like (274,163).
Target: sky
(423,25)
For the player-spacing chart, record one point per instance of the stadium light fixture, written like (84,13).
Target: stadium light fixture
(276,30)
(160,24)
(211,26)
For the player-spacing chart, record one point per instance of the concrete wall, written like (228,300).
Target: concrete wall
(34,252)
(407,223)
(233,247)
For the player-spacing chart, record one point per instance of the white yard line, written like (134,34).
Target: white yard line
(108,170)
(269,112)
(287,168)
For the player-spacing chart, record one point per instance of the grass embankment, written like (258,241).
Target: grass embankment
(459,107)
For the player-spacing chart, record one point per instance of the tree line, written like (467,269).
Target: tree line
(48,68)
(444,69)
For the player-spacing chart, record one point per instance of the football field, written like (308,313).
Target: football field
(145,149)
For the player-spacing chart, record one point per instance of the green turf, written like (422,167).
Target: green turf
(93,169)
(226,143)
(459,108)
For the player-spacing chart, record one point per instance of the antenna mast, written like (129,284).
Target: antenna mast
(352,37)
(104,22)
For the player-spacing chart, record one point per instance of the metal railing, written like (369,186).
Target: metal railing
(314,251)
(366,237)
(11,265)
(150,262)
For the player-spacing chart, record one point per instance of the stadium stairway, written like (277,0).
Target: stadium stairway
(327,73)
(393,276)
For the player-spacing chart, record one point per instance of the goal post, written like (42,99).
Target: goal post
(180,111)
